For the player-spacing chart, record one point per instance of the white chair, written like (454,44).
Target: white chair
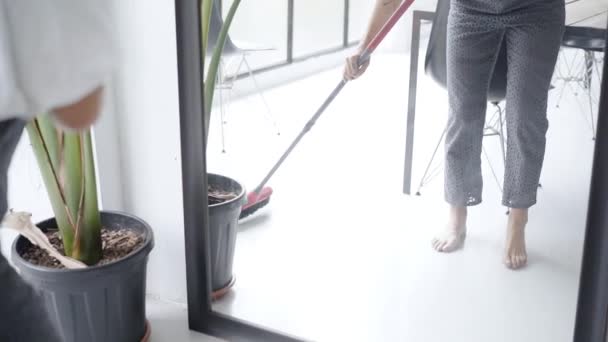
(232,52)
(576,73)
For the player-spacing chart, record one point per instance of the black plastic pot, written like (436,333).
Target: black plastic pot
(98,303)
(223,221)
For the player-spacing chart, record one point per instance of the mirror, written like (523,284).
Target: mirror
(339,251)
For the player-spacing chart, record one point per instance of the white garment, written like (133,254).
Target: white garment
(52,53)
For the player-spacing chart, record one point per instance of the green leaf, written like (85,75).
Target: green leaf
(90,234)
(206,8)
(67,166)
(50,175)
(209,87)
(72,172)
(53,139)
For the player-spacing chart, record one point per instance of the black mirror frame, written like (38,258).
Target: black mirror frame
(592,306)
(201,316)
(592,309)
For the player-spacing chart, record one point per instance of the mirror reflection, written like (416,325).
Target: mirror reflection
(441,193)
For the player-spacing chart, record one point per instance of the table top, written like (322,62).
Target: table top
(593,13)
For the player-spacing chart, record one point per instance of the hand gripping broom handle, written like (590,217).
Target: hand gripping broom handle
(363,57)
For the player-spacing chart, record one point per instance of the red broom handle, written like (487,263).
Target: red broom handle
(386,28)
(365,54)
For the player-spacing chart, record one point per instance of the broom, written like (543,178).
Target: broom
(260,196)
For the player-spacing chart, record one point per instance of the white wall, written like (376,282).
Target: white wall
(147,123)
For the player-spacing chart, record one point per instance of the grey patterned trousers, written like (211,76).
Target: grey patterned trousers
(23,317)
(532,34)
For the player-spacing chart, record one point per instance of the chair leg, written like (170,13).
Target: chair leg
(560,76)
(589,61)
(591,117)
(493,128)
(261,93)
(222,111)
(579,73)
(585,82)
(428,166)
(231,84)
(572,68)
(501,134)
(588,71)
(561,94)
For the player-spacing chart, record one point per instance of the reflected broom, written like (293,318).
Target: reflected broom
(260,196)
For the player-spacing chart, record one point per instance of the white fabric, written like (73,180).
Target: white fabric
(52,53)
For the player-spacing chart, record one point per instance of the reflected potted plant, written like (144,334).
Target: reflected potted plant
(100,294)
(226,196)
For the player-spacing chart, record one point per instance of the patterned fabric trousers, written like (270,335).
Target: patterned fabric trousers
(532,32)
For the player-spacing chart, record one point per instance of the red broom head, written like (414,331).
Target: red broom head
(253,197)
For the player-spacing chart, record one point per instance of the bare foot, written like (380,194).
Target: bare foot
(452,238)
(515,246)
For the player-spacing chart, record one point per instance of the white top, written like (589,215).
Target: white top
(52,53)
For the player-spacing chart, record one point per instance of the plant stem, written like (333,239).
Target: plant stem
(209,86)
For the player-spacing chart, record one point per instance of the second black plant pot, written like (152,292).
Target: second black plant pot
(223,222)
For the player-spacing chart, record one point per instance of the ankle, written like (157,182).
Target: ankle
(458,216)
(458,211)
(518,217)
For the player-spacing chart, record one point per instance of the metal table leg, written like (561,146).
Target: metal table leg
(418,17)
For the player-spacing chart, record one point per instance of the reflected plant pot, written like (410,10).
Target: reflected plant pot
(223,223)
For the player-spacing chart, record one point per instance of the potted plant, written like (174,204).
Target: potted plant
(225,195)
(105,300)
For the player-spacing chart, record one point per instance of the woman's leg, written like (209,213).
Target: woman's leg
(473,43)
(532,47)
(23,316)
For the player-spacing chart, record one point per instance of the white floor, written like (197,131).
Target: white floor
(169,322)
(340,254)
